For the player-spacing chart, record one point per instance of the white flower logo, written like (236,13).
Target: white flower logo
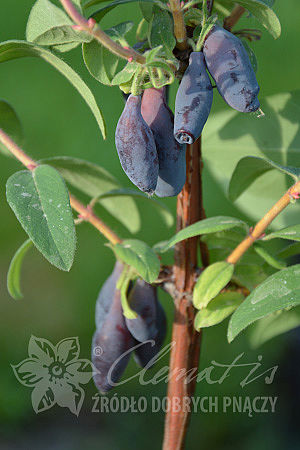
(55,374)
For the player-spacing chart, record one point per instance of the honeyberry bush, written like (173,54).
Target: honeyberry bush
(267,279)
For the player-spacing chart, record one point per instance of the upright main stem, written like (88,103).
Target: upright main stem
(186,341)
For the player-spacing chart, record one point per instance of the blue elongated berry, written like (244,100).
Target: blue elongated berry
(171,155)
(112,338)
(143,300)
(230,67)
(136,147)
(193,101)
(145,354)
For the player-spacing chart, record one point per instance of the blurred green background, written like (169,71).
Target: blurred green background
(57,305)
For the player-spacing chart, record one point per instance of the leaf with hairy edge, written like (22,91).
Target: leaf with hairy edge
(161,31)
(10,50)
(162,209)
(292,233)
(262,12)
(98,15)
(211,281)
(140,256)
(248,169)
(40,201)
(14,271)
(249,275)
(273,325)
(218,310)
(289,250)
(281,290)
(206,226)
(49,25)
(10,124)
(270,259)
(146,10)
(275,137)
(93,181)
(100,62)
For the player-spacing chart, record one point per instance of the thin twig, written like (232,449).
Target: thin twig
(262,225)
(234,17)
(85,212)
(91,27)
(179,25)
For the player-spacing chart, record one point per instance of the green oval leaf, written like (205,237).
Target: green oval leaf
(248,169)
(140,256)
(218,310)
(262,12)
(273,325)
(100,62)
(49,25)
(18,49)
(249,275)
(98,15)
(40,201)
(93,181)
(292,233)
(211,281)
(125,192)
(270,259)
(14,271)
(206,226)
(161,31)
(281,290)
(10,123)
(275,136)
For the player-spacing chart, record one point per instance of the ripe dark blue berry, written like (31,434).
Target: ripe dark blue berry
(143,300)
(171,155)
(145,354)
(193,101)
(136,147)
(112,338)
(230,67)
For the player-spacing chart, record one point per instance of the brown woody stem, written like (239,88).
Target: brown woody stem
(179,25)
(94,30)
(234,17)
(186,341)
(262,225)
(86,213)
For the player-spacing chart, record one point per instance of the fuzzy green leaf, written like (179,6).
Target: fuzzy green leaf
(14,271)
(262,12)
(270,259)
(161,31)
(162,209)
(292,233)
(100,62)
(273,325)
(206,226)
(93,181)
(211,281)
(40,201)
(140,256)
(49,25)
(10,50)
(218,310)
(248,169)
(10,124)
(98,15)
(281,290)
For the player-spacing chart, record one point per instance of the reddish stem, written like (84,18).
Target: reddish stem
(186,348)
